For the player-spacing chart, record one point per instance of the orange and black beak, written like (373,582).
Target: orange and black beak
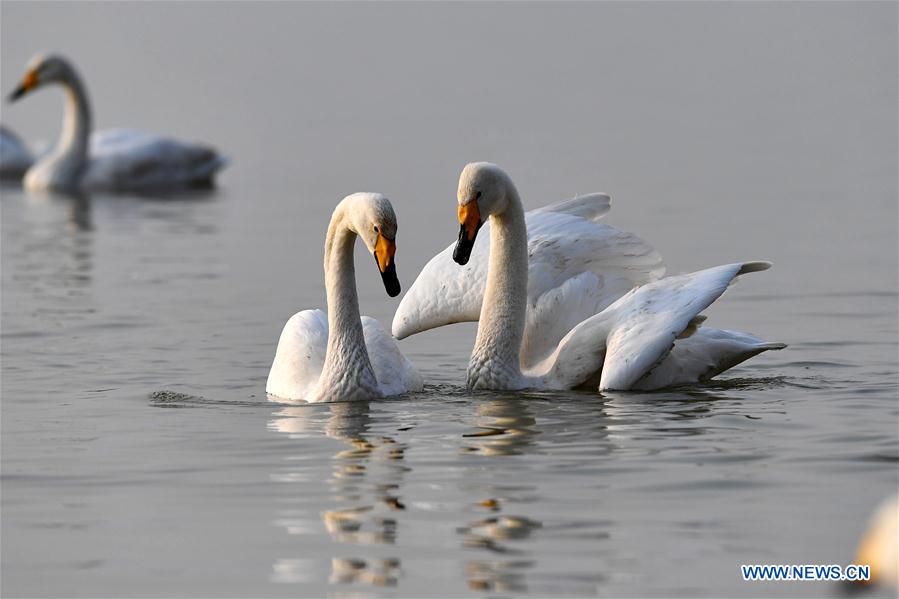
(470,219)
(385,249)
(29,82)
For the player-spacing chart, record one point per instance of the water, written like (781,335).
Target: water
(140,455)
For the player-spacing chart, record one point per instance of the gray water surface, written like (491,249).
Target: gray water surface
(140,456)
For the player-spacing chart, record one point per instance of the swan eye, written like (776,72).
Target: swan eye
(477,196)
(376,228)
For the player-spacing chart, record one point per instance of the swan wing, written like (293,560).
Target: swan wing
(578,359)
(557,312)
(124,159)
(15,158)
(702,355)
(564,240)
(394,372)
(562,249)
(591,206)
(646,321)
(300,356)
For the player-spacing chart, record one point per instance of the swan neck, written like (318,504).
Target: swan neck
(502,320)
(76,124)
(347,365)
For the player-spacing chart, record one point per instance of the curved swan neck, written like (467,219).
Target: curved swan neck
(494,361)
(76,124)
(347,365)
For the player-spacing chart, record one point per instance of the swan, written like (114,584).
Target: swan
(115,160)
(878,546)
(581,334)
(15,157)
(342,356)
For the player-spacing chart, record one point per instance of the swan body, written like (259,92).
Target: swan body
(15,158)
(343,356)
(116,160)
(628,342)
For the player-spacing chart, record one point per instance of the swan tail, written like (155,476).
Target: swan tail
(203,168)
(702,356)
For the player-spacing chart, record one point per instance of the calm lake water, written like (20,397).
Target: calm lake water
(140,455)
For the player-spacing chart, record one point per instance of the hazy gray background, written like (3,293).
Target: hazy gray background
(773,116)
(723,131)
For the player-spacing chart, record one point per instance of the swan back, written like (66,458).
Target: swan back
(394,372)
(124,159)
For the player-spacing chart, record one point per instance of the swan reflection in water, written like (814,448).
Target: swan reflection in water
(365,481)
(505,509)
(78,207)
(504,427)
(563,433)
(51,256)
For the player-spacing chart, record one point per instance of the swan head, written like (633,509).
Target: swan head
(372,218)
(41,70)
(482,193)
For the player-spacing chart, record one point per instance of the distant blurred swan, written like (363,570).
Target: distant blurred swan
(342,356)
(15,157)
(555,304)
(878,546)
(118,160)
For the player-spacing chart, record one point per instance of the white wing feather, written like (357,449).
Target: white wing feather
(646,321)
(300,356)
(629,344)
(701,356)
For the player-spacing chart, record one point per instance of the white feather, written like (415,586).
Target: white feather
(703,355)
(300,355)
(393,370)
(629,344)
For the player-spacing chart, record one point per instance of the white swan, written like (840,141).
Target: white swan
(342,357)
(879,546)
(15,157)
(626,345)
(117,160)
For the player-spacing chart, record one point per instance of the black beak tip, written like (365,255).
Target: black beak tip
(462,252)
(391,282)
(16,94)
(461,255)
